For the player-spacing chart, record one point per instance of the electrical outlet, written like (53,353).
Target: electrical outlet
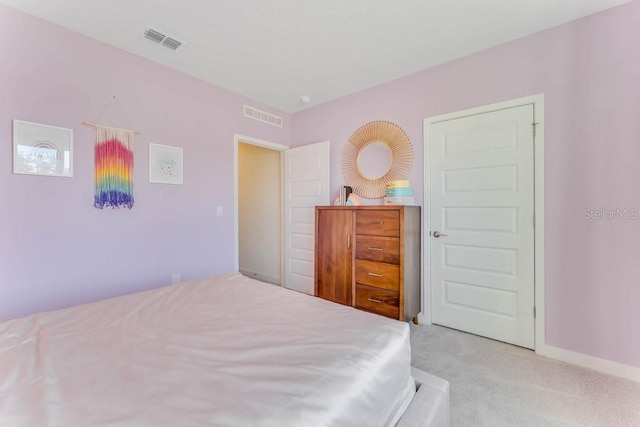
(175,278)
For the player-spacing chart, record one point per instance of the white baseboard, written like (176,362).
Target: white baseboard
(260,276)
(595,363)
(424,319)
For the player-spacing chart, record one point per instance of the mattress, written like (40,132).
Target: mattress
(227,351)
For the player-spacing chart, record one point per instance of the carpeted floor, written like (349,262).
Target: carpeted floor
(496,384)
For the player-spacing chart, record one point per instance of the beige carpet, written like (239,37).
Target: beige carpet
(496,384)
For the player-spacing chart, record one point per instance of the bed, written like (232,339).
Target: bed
(226,351)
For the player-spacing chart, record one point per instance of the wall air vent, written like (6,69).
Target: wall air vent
(158,37)
(262,116)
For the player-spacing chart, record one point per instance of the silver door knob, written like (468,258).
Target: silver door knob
(437,234)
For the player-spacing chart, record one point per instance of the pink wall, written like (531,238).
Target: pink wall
(55,248)
(589,72)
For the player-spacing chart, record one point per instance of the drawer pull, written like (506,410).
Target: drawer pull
(375,275)
(377,223)
(377,301)
(375,249)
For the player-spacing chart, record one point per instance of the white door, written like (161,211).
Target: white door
(482,224)
(306,184)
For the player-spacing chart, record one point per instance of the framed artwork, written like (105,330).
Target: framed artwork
(42,149)
(165,164)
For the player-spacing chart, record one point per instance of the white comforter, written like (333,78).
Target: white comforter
(227,351)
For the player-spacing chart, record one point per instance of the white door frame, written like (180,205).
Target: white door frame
(538,117)
(237,139)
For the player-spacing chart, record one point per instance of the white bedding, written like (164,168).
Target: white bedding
(227,351)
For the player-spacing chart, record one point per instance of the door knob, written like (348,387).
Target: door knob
(437,234)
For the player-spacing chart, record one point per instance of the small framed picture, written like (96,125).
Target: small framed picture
(42,149)
(165,164)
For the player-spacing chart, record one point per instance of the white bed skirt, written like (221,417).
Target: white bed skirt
(430,405)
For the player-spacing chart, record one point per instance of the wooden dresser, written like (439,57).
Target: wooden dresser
(368,257)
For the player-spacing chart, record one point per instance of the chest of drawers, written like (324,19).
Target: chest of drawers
(369,257)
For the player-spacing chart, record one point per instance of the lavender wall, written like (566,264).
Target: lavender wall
(57,250)
(589,71)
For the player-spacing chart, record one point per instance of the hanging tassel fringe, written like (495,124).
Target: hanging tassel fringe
(113,168)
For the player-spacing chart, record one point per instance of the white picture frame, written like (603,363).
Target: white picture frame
(40,149)
(165,164)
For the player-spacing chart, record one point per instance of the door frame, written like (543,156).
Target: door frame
(538,159)
(237,139)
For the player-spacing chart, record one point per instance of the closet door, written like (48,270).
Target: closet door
(334,254)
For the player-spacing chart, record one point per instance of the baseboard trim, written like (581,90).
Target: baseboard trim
(606,366)
(263,277)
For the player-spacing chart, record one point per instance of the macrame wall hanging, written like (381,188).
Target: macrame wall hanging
(113,168)
(113,160)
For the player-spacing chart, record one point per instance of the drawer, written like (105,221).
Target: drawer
(378,223)
(378,274)
(376,248)
(379,301)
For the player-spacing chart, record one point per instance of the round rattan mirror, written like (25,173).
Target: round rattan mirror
(374,160)
(376,153)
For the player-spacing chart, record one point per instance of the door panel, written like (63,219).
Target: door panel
(335,263)
(306,184)
(482,204)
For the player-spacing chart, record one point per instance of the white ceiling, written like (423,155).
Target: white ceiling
(275,51)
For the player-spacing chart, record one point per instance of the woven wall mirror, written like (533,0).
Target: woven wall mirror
(375,154)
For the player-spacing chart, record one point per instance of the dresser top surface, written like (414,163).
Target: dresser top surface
(370,207)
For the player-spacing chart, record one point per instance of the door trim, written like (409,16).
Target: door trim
(538,159)
(237,139)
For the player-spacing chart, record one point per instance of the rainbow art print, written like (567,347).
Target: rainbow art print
(113,168)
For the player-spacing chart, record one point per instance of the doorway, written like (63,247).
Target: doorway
(483,215)
(259,212)
(303,184)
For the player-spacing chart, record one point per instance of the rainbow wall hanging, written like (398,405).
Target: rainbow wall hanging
(113,168)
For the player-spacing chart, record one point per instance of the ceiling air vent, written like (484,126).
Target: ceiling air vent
(153,35)
(158,37)
(262,116)
(172,44)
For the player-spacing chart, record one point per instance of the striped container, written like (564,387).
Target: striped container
(400,192)
(399,201)
(398,184)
